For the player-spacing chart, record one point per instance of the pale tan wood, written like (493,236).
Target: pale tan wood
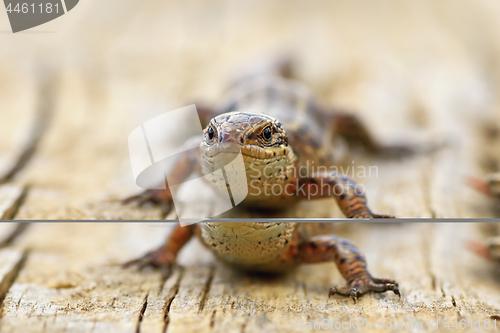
(21,155)
(159,301)
(10,199)
(91,294)
(412,71)
(10,264)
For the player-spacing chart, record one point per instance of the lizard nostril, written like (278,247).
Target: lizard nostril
(242,140)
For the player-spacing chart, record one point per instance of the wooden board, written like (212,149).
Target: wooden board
(10,199)
(412,71)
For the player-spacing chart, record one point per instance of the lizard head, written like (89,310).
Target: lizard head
(260,138)
(246,130)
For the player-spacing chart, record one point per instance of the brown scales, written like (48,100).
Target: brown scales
(310,133)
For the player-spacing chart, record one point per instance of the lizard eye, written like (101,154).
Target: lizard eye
(210,133)
(267,134)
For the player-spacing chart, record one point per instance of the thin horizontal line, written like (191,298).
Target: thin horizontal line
(243,220)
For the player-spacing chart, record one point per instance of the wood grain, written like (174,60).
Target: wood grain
(11,197)
(417,72)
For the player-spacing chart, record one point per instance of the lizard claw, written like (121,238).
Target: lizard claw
(156,197)
(383,216)
(158,258)
(152,196)
(361,286)
(369,215)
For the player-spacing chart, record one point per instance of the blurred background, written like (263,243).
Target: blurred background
(413,71)
(422,69)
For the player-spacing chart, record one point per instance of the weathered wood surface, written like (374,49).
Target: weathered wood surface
(411,70)
(10,199)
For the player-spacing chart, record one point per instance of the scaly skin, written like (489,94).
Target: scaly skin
(273,151)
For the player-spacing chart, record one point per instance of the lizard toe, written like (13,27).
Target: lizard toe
(383,287)
(155,197)
(362,286)
(383,216)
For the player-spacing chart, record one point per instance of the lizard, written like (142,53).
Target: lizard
(275,120)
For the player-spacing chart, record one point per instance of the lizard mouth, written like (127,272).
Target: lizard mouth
(255,157)
(254,151)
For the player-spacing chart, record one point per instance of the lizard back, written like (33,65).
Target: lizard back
(309,130)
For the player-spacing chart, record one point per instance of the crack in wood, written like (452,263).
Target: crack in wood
(206,289)
(428,194)
(9,278)
(19,229)
(427,263)
(17,197)
(175,289)
(212,319)
(43,114)
(141,313)
(14,199)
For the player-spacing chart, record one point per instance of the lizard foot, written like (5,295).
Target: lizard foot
(156,197)
(158,258)
(363,285)
(383,216)
(366,214)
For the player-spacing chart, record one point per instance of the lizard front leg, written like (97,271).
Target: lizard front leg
(186,163)
(350,262)
(165,256)
(350,198)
